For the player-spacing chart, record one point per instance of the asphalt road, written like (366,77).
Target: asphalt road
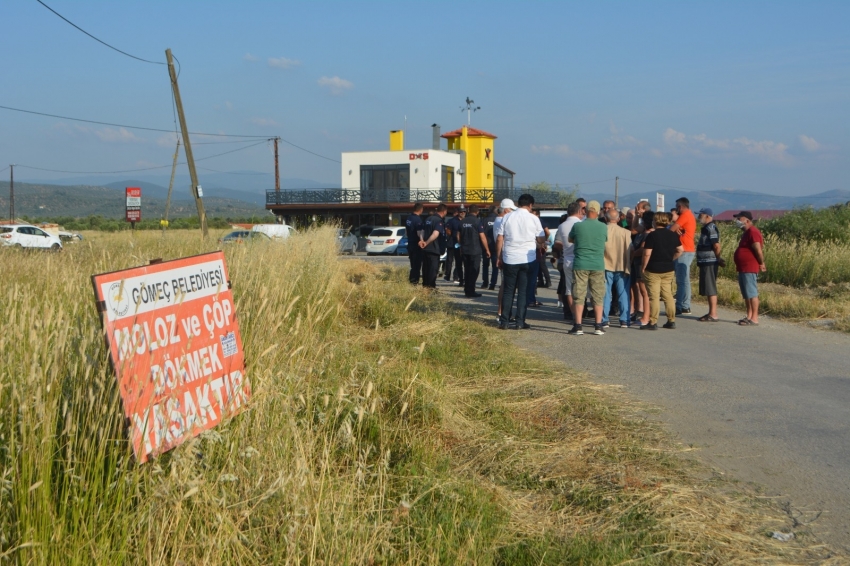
(767,404)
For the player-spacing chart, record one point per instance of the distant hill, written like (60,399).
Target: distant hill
(43,200)
(728,199)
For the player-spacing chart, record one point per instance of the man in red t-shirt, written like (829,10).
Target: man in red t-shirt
(749,262)
(686,227)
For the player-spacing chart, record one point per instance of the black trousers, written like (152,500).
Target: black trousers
(471,267)
(488,265)
(414,254)
(430,266)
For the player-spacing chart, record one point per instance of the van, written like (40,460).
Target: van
(551,219)
(274,231)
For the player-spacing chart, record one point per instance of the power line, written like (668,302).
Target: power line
(96,39)
(124,125)
(135,170)
(308,151)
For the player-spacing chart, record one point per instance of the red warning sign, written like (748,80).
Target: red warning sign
(176,349)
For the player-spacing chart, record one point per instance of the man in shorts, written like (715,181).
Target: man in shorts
(589,238)
(708,261)
(749,262)
(567,251)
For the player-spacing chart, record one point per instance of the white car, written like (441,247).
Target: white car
(384,240)
(28,236)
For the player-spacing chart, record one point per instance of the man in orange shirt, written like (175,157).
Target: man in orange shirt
(686,227)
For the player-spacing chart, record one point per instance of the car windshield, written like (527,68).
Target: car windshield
(550,222)
(381,233)
(6,229)
(234,235)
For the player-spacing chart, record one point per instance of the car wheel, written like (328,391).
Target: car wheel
(353,250)
(55,248)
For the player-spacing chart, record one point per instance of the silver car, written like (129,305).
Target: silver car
(346,242)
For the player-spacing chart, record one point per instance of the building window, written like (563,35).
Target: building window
(504,178)
(385,176)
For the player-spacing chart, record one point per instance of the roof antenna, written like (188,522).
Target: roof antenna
(470,108)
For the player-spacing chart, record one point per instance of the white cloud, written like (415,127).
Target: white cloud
(167,140)
(701,144)
(263,122)
(810,144)
(121,135)
(283,63)
(562,149)
(250,57)
(336,85)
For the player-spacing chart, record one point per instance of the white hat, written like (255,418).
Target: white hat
(507,204)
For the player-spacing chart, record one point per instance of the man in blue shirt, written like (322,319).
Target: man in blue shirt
(433,246)
(414,226)
(473,243)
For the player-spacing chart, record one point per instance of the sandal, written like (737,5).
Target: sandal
(747,322)
(708,318)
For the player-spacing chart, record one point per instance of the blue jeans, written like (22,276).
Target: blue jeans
(619,281)
(683,280)
(514,277)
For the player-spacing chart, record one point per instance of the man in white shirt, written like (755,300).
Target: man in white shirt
(505,207)
(567,251)
(516,244)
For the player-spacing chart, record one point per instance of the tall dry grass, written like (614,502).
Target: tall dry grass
(383,429)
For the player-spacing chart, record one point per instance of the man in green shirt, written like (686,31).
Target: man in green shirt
(589,266)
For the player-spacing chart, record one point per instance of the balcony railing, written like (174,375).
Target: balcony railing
(399,195)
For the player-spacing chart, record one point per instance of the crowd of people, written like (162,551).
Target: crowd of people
(612,263)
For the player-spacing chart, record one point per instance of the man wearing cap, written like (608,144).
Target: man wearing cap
(686,226)
(708,260)
(749,262)
(521,234)
(473,243)
(433,245)
(589,267)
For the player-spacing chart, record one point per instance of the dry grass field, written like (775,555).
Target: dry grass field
(384,428)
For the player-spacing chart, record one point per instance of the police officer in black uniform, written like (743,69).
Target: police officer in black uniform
(414,226)
(488,264)
(433,246)
(472,243)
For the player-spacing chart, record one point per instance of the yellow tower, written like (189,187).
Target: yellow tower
(478,146)
(396,140)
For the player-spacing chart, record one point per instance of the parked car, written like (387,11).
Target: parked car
(70,237)
(346,242)
(243,236)
(274,231)
(384,240)
(402,247)
(28,236)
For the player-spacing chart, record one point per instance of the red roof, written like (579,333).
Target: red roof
(729,215)
(471,132)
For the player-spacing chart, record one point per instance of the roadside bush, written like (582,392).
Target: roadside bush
(831,224)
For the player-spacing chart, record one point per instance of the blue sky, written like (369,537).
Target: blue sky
(701,95)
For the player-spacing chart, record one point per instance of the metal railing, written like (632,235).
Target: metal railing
(399,195)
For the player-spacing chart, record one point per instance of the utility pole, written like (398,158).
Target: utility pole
(170,186)
(12,194)
(616,192)
(190,159)
(276,167)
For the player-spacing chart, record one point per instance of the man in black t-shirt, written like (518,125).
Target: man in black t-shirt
(488,264)
(472,243)
(453,254)
(433,246)
(414,226)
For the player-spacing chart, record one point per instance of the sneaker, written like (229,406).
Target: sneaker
(503,326)
(649,327)
(683,311)
(597,330)
(670,325)
(524,326)
(576,330)
(606,325)
(492,287)
(624,324)
(483,286)
(560,305)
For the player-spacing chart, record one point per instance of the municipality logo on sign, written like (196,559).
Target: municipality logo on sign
(118,299)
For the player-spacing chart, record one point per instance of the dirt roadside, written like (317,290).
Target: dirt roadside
(768,405)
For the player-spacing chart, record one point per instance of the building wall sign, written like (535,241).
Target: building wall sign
(414,156)
(175,346)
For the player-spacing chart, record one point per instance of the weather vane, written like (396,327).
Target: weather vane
(470,108)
